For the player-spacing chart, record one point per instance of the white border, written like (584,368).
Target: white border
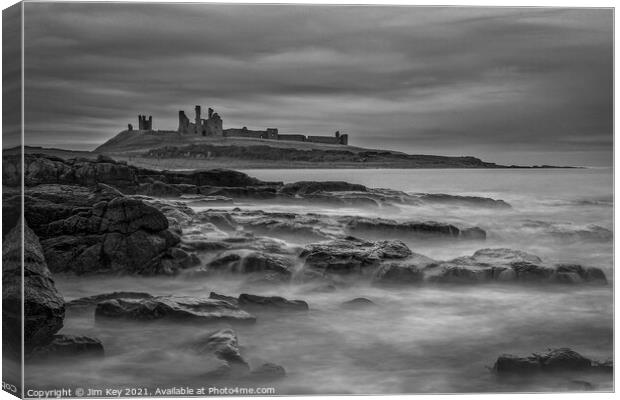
(482,3)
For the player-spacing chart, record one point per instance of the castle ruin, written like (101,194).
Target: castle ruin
(145,124)
(212,126)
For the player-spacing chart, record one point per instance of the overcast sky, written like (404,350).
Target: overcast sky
(523,86)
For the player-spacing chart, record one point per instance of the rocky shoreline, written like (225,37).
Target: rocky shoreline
(87,217)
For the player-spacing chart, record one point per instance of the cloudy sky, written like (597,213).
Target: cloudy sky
(526,86)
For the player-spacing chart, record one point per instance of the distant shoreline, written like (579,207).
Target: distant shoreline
(388,160)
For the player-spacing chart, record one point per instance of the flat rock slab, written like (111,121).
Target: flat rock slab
(68,346)
(92,301)
(173,307)
(271,302)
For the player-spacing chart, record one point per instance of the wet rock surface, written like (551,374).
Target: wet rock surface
(46,169)
(469,201)
(92,301)
(253,262)
(507,265)
(351,255)
(43,306)
(213,185)
(230,299)
(554,360)
(63,346)
(387,228)
(358,303)
(251,301)
(225,345)
(314,227)
(97,229)
(173,307)
(269,371)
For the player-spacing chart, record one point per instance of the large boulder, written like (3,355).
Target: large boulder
(564,359)
(43,306)
(554,360)
(351,255)
(97,229)
(174,308)
(225,345)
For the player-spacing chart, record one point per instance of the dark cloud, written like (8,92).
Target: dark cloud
(503,84)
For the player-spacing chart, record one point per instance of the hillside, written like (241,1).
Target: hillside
(170,150)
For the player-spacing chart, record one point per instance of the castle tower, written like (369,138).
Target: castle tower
(183,123)
(198,121)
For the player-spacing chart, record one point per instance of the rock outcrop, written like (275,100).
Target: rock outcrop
(45,169)
(315,227)
(393,263)
(351,255)
(387,228)
(215,184)
(507,265)
(554,360)
(97,229)
(225,345)
(312,187)
(44,307)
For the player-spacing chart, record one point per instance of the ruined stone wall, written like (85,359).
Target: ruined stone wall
(184,124)
(336,139)
(214,126)
(293,137)
(234,132)
(323,139)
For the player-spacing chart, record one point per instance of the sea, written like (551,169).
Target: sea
(418,339)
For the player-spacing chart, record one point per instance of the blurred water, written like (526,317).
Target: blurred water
(421,339)
(556,213)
